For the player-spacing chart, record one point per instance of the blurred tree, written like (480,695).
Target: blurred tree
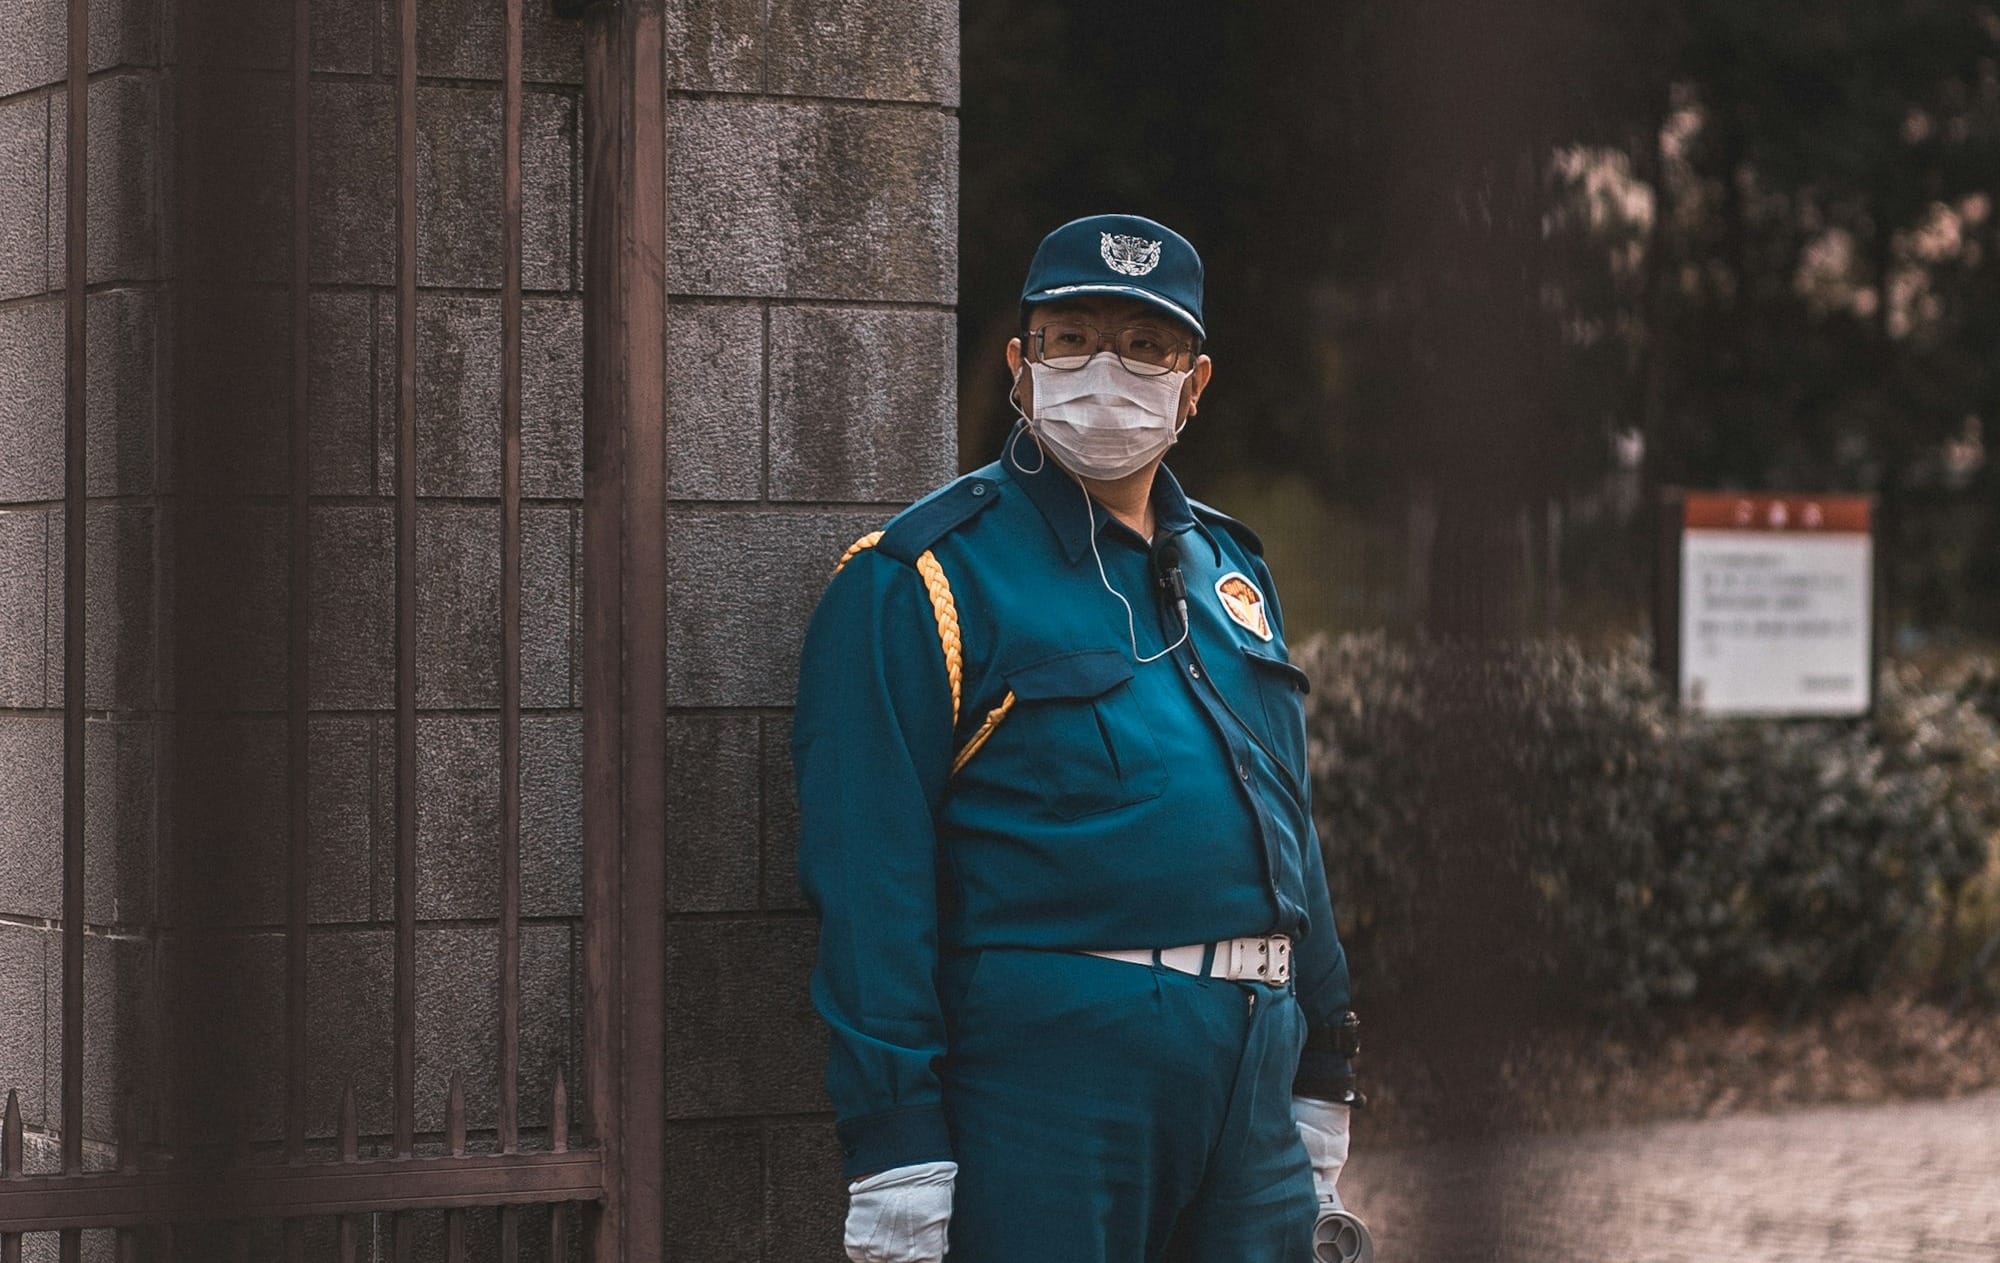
(1461,254)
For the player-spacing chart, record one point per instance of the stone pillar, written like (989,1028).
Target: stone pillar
(124,682)
(812,153)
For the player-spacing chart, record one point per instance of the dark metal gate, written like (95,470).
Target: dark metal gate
(419,1186)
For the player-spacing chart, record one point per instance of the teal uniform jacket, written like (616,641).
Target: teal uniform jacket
(1116,804)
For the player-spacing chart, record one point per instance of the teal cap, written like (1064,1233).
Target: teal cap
(1119,254)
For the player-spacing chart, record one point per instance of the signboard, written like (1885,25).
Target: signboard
(1774,608)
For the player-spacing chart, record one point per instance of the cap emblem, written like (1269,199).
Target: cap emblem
(1128,256)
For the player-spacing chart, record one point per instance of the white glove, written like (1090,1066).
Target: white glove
(1323,1127)
(900,1215)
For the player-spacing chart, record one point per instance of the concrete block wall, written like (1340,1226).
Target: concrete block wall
(812,154)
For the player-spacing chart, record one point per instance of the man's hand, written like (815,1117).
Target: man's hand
(900,1215)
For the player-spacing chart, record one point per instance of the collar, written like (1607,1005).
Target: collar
(1072,516)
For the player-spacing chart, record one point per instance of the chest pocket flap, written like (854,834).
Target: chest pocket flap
(1083,733)
(1085,673)
(1264,660)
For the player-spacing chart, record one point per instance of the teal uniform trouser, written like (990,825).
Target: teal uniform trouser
(1103,1111)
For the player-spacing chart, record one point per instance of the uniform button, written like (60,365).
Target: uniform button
(1243,770)
(1194,671)
(979,488)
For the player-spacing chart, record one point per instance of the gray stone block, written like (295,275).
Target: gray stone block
(904,50)
(25,241)
(552,816)
(753,579)
(352,200)
(121,391)
(339,392)
(742,1036)
(552,398)
(458,816)
(126,140)
(809,1197)
(576,614)
(550,154)
(459,38)
(118,1022)
(24,607)
(235,351)
(715,401)
(119,602)
(864,403)
(716,45)
(31,394)
(712,813)
(55,650)
(234,35)
(383,820)
(32,54)
(350,1022)
(551,46)
(813,200)
(781,819)
(120,821)
(233,189)
(223,862)
(551,1034)
(720,1194)
(458,395)
(458,605)
(230,590)
(122,33)
(547,584)
(343,35)
(458,186)
(351,653)
(388,392)
(340,811)
(24,1036)
(458,1019)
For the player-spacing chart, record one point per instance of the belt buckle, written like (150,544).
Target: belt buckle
(1274,959)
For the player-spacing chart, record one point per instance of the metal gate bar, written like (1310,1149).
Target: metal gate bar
(155,1183)
(76,276)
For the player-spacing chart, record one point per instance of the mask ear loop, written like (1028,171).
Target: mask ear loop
(1027,426)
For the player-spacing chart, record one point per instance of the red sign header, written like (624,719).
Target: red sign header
(1728,511)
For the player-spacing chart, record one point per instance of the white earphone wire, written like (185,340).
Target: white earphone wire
(1131,625)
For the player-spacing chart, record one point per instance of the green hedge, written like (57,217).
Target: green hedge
(1665,857)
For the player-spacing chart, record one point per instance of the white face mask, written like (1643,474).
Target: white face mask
(1103,420)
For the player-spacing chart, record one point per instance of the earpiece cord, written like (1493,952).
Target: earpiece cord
(1131,626)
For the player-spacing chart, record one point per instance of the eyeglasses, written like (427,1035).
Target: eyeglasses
(1067,345)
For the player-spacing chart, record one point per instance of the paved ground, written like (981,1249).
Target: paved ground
(1877,1183)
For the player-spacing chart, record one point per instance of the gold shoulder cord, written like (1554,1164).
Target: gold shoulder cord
(946,611)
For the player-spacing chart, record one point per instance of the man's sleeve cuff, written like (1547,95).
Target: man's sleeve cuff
(893,1138)
(1324,1076)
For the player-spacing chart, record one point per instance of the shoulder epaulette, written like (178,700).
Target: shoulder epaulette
(915,529)
(1209,513)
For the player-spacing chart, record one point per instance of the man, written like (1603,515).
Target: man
(1077,953)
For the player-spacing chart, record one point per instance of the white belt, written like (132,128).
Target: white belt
(1253,958)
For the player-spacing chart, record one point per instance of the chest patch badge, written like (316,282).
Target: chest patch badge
(1243,602)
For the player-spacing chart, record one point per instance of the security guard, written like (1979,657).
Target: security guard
(1076,950)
